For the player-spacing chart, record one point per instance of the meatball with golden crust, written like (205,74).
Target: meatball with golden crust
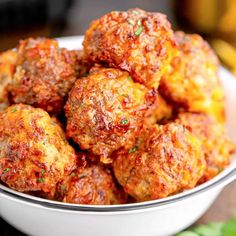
(136,41)
(83,65)
(170,161)
(93,185)
(7,70)
(193,82)
(217,146)
(106,110)
(34,154)
(160,113)
(44,74)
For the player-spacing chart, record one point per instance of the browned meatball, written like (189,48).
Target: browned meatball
(93,185)
(34,154)
(137,41)
(7,70)
(106,110)
(217,146)
(193,83)
(160,113)
(83,65)
(169,161)
(44,75)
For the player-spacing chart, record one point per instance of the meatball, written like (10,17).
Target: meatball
(93,185)
(193,83)
(7,70)
(34,154)
(136,41)
(44,74)
(217,146)
(160,113)
(106,110)
(169,161)
(83,65)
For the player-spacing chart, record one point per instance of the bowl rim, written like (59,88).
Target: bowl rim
(219,181)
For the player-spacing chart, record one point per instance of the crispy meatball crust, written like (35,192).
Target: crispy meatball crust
(83,65)
(34,153)
(105,111)
(139,42)
(193,82)
(7,70)
(44,75)
(160,113)
(170,161)
(93,185)
(216,144)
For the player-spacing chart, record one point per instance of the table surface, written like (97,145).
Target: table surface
(222,209)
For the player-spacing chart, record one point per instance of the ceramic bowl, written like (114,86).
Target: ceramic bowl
(36,216)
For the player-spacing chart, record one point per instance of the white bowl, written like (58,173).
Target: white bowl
(36,216)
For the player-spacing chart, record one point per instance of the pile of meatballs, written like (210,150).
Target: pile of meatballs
(136,115)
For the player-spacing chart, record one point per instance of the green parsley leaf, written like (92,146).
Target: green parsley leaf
(212,229)
(6,170)
(139,22)
(45,141)
(41,180)
(43,171)
(72,174)
(63,187)
(209,229)
(130,78)
(136,12)
(131,21)
(124,122)
(229,229)
(187,233)
(138,31)
(14,109)
(134,149)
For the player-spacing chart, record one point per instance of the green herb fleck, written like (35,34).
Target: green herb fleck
(138,31)
(139,22)
(129,78)
(72,174)
(41,180)
(45,141)
(43,171)
(63,187)
(136,12)
(6,170)
(14,109)
(131,21)
(134,149)
(124,122)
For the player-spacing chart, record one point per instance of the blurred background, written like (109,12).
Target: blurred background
(215,20)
